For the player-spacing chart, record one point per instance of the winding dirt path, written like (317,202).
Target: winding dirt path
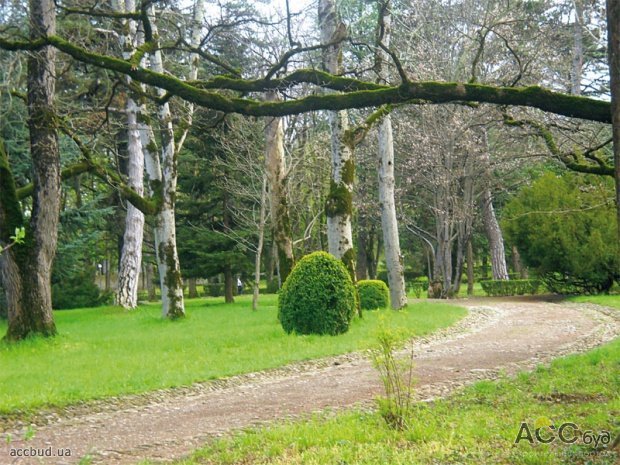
(498,335)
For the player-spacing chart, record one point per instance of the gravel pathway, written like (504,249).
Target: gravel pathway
(498,336)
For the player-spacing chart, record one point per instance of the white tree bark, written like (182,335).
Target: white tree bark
(389,222)
(275,168)
(339,201)
(162,178)
(131,254)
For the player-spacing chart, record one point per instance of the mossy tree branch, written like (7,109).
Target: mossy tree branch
(356,93)
(67,173)
(575,160)
(146,206)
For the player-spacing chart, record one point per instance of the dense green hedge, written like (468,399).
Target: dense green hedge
(512,287)
(373,294)
(318,297)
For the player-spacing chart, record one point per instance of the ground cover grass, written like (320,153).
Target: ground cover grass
(477,426)
(106,351)
(607,300)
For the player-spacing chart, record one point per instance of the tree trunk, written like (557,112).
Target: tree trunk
(275,167)
(193,291)
(470,268)
(163,180)
(259,246)
(131,253)
(228,275)
(613,39)
(31,310)
(389,222)
(10,273)
(517,264)
(495,238)
(374,253)
(492,228)
(338,205)
(577,62)
(150,287)
(229,283)
(361,265)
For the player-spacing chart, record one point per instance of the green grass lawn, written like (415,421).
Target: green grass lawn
(477,426)
(106,351)
(607,300)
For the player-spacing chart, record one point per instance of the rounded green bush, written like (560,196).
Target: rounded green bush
(373,294)
(318,297)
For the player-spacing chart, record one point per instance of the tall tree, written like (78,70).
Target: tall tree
(131,254)
(27,269)
(162,176)
(389,222)
(276,170)
(613,38)
(338,205)
(491,225)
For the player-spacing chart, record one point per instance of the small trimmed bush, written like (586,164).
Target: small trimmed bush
(318,297)
(373,294)
(512,287)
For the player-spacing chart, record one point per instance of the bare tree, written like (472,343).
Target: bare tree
(277,173)
(339,201)
(389,222)
(131,253)
(26,269)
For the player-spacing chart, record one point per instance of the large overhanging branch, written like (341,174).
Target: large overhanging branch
(355,93)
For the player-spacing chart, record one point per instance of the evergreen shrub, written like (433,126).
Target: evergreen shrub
(373,294)
(318,297)
(512,287)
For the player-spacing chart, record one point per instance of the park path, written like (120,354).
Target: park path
(504,335)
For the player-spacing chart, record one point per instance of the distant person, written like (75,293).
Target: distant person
(239,286)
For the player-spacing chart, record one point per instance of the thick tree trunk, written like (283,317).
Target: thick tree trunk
(275,167)
(31,312)
(131,254)
(338,206)
(166,183)
(259,246)
(389,222)
(613,39)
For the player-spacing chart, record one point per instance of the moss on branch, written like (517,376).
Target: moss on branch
(575,160)
(357,94)
(67,173)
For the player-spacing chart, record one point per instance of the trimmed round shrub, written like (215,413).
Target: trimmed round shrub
(318,297)
(373,294)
